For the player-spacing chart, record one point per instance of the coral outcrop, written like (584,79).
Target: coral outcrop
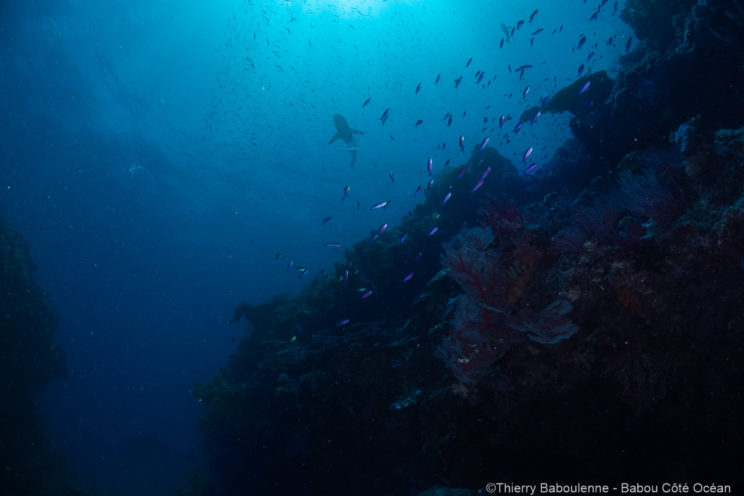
(581,324)
(29,360)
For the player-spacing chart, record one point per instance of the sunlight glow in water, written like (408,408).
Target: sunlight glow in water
(351,8)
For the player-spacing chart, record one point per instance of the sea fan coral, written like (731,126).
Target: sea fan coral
(552,325)
(471,349)
(643,194)
(487,322)
(477,269)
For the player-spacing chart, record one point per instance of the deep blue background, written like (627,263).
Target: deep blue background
(158,154)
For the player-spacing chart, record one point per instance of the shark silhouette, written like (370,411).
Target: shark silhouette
(344,132)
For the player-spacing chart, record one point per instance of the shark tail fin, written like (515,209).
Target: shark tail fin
(335,137)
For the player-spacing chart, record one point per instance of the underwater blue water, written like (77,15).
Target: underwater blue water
(168,159)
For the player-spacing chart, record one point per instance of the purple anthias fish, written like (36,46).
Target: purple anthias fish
(429,165)
(367,294)
(380,231)
(462,171)
(382,204)
(531,168)
(527,154)
(477,185)
(407,278)
(433,231)
(483,144)
(446,198)
(430,184)
(517,127)
(462,143)
(535,117)
(585,87)
(502,119)
(403,238)
(346,192)
(342,322)
(486,172)
(525,92)
(418,191)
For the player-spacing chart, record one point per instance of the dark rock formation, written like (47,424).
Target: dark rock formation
(29,360)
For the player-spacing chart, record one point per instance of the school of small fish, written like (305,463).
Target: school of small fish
(481,78)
